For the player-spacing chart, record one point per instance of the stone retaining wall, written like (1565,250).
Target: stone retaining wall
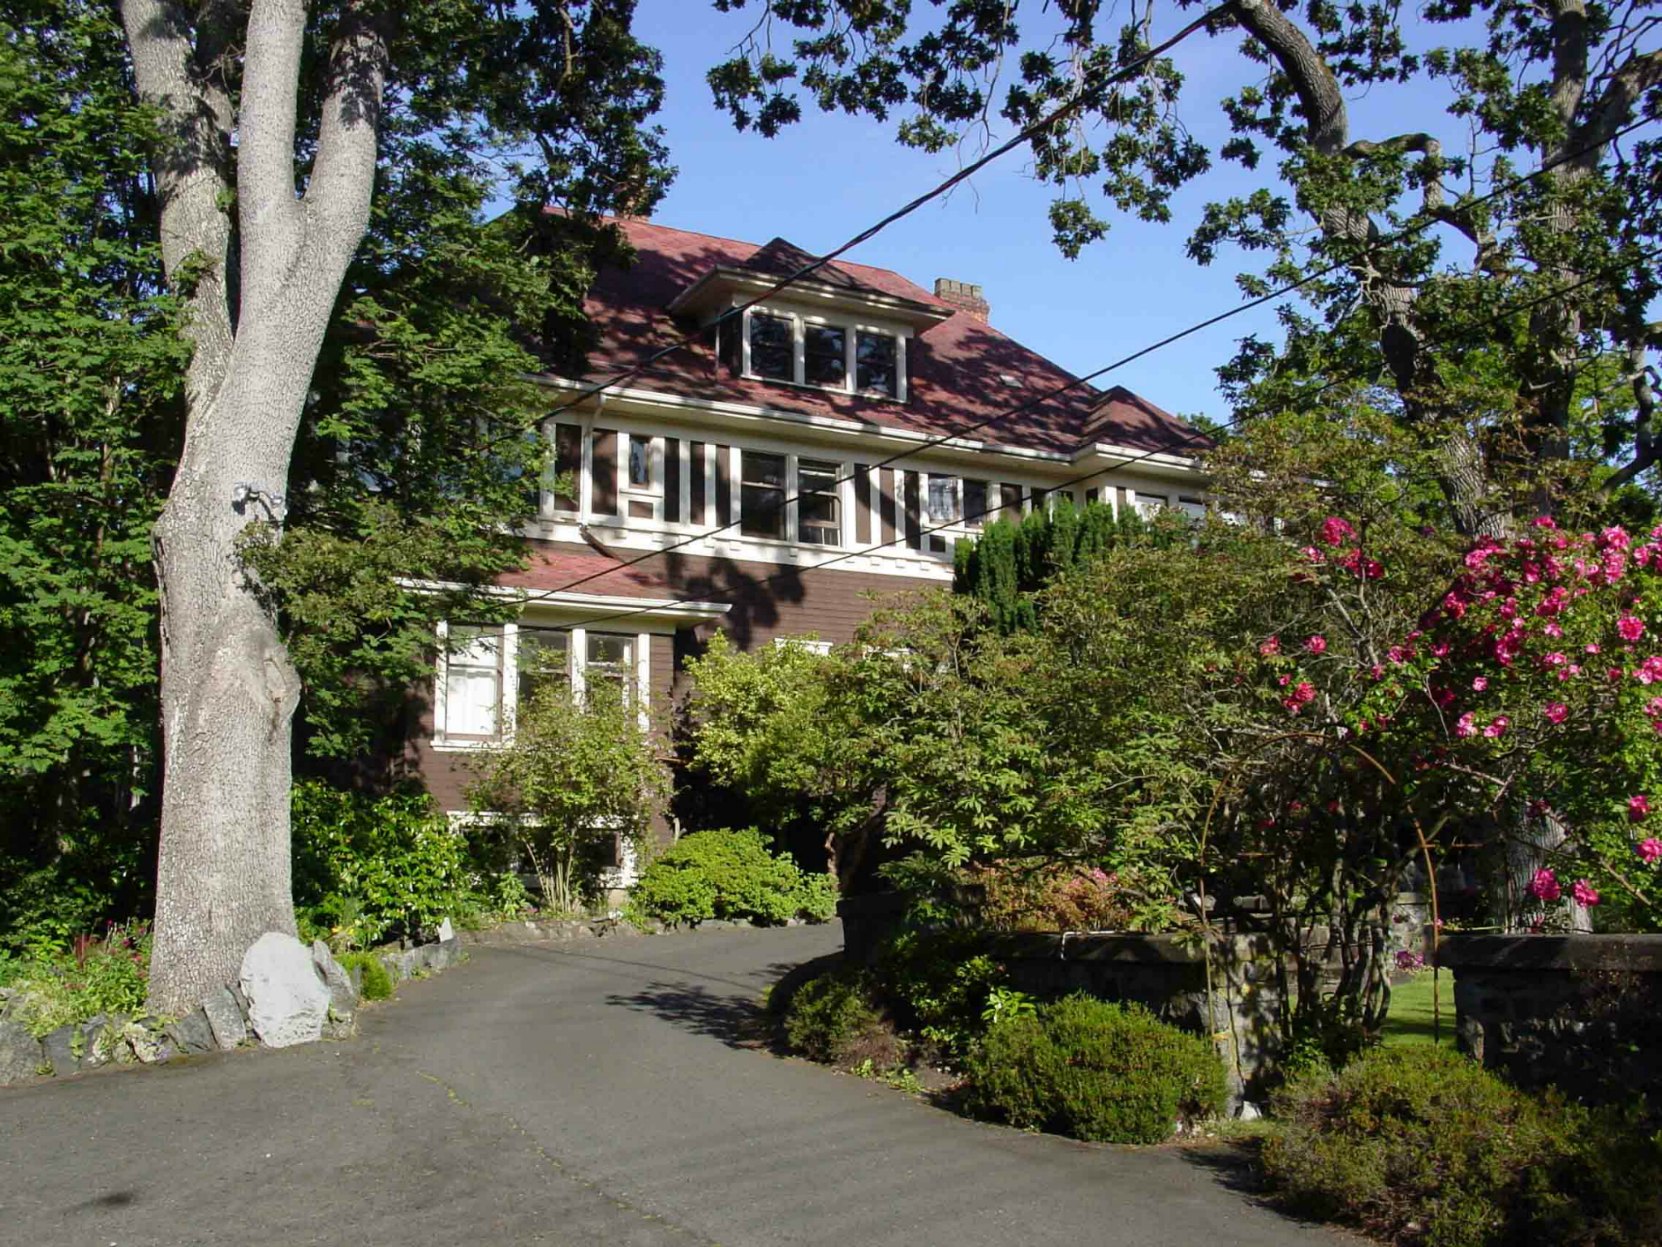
(1582,1012)
(1166,973)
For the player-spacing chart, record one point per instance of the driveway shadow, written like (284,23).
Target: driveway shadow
(735,1020)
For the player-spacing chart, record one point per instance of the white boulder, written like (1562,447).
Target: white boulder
(287,1001)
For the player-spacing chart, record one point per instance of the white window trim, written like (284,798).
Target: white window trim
(852,329)
(844,474)
(508,683)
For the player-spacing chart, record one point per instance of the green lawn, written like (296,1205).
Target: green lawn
(1410,1020)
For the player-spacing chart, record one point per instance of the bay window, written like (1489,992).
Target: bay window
(875,364)
(942,504)
(975,504)
(825,355)
(772,346)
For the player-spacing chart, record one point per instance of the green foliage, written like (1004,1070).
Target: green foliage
(829,1015)
(374,979)
(1094,1070)
(577,776)
(941,984)
(55,987)
(707,875)
(1013,559)
(368,869)
(90,370)
(1420,1144)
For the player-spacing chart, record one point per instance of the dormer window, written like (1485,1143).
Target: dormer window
(811,350)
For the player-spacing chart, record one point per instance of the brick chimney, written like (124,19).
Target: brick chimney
(963,296)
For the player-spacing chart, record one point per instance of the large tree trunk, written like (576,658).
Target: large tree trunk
(228,689)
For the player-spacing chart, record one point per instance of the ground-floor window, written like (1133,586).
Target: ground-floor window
(485,672)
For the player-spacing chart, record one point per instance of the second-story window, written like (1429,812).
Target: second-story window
(762,495)
(819,519)
(943,503)
(875,369)
(640,462)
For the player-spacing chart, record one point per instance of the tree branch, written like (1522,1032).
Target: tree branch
(343,175)
(1615,107)
(192,179)
(269,212)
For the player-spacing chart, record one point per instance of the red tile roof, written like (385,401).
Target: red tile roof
(959,371)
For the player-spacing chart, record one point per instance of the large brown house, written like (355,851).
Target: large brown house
(796,400)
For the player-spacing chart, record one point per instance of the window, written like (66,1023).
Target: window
(825,356)
(772,346)
(762,495)
(542,660)
(609,667)
(875,367)
(1149,505)
(640,462)
(472,682)
(1194,508)
(819,520)
(975,504)
(791,348)
(942,506)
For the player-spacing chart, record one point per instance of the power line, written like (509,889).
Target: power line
(1039,400)
(925,533)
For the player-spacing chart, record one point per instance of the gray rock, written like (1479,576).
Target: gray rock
(191,1033)
(343,996)
(60,1047)
(340,1028)
(149,1046)
(95,1041)
(20,1054)
(287,1002)
(225,1019)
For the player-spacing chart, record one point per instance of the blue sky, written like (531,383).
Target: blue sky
(829,176)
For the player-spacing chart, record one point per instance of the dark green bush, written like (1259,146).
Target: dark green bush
(374,979)
(727,874)
(1094,1070)
(369,869)
(939,982)
(829,1016)
(1419,1144)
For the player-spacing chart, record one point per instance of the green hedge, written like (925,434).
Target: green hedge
(829,1015)
(1094,1070)
(1422,1145)
(727,874)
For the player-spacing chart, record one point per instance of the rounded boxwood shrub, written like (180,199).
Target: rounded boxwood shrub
(830,1016)
(1090,1069)
(1419,1144)
(727,874)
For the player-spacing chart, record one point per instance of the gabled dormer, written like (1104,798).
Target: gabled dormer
(830,331)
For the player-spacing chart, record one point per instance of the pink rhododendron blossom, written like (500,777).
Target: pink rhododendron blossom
(1397,655)
(1497,727)
(1373,569)
(1270,647)
(1316,644)
(1544,521)
(1650,850)
(1554,659)
(1444,697)
(1555,711)
(1553,629)
(1480,683)
(1584,893)
(1408,959)
(1335,531)
(1284,679)
(1544,886)
(1649,671)
(1615,674)
(1630,627)
(1638,808)
(1314,555)
(1592,647)
(1614,538)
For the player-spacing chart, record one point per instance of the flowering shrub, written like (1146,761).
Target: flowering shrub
(108,974)
(1533,691)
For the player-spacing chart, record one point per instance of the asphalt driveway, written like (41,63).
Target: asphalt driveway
(575,1094)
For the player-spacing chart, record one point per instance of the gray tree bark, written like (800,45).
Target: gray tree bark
(228,690)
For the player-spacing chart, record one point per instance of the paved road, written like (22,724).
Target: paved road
(596,1093)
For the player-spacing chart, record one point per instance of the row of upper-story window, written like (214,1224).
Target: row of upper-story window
(797,348)
(780,495)
(487,671)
